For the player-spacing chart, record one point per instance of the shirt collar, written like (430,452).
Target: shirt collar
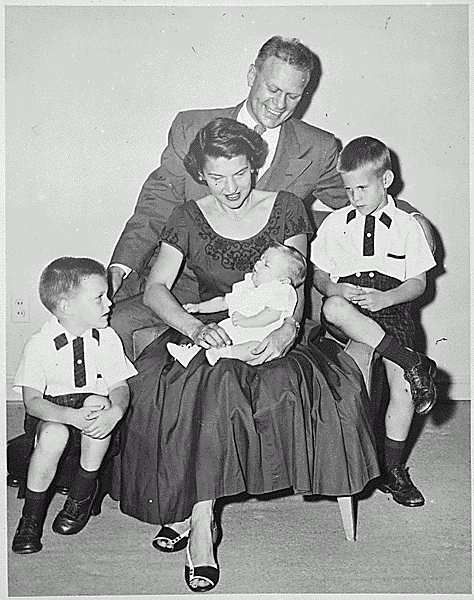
(388,210)
(53,328)
(246,118)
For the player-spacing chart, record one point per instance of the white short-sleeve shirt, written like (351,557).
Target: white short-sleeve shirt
(400,247)
(47,363)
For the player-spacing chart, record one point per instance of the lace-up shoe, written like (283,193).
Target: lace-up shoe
(422,385)
(398,483)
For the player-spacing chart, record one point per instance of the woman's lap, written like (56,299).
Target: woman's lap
(206,432)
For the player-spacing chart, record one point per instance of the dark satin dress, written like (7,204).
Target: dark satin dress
(203,432)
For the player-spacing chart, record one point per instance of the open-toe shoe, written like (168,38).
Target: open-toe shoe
(206,573)
(174,541)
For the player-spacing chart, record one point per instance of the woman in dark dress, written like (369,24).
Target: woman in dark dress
(203,432)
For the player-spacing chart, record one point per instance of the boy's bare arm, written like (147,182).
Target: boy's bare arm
(410,289)
(216,304)
(261,319)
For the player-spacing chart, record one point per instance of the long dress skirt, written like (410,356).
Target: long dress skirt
(204,432)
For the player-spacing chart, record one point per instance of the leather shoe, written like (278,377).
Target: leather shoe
(398,483)
(422,386)
(74,515)
(27,538)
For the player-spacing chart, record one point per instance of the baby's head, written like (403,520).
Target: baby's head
(366,169)
(280,263)
(75,291)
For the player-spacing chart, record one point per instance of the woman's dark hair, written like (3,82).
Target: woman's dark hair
(225,138)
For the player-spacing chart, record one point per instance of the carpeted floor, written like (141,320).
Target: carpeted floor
(282,545)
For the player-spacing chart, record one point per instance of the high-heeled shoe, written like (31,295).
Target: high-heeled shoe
(206,573)
(175,541)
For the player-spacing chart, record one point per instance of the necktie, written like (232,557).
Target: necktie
(260,129)
(79,366)
(369,231)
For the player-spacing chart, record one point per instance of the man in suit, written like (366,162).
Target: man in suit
(301,159)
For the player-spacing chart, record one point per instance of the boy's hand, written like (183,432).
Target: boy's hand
(101,422)
(191,308)
(372,300)
(238,319)
(80,416)
(350,292)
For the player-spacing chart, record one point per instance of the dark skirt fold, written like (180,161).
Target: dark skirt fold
(302,421)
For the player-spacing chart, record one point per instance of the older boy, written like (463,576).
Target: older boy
(73,380)
(370,262)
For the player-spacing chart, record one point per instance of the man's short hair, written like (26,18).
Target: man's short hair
(64,276)
(365,152)
(227,138)
(289,50)
(296,262)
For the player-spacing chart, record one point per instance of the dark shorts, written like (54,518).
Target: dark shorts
(395,320)
(75,435)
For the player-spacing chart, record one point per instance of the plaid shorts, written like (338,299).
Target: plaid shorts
(396,320)
(75,435)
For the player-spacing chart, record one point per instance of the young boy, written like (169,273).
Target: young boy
(73,380)
(370,262)
(257,305)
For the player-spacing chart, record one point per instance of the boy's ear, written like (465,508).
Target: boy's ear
(388,178)
(64,306)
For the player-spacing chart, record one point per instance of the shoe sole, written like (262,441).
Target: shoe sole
(386,490)
(29,551)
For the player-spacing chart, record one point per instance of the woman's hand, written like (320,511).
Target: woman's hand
(275,345)
(210,336)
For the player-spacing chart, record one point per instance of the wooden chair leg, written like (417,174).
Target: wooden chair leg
(346,506)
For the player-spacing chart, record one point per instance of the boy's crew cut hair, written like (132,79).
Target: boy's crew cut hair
(363,152)
(64,276)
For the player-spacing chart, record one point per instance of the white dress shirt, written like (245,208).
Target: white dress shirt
(400,246)
(48,366)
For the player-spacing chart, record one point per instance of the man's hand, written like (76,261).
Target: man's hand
(372,300)
(116,275)
(275,345)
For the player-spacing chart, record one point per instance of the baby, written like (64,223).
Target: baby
(257,305)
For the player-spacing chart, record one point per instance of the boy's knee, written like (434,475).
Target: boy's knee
(334,308)
(52,436)
(94,400)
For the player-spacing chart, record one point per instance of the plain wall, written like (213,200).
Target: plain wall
(91,93)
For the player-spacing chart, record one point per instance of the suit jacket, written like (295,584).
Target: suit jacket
(304,163)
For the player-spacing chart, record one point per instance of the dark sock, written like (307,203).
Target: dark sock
(35,504)
(394,351)
(394,451)
(83,485)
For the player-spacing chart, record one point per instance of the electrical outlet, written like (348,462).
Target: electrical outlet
(20,309)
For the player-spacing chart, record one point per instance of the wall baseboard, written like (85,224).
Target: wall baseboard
(457,389)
